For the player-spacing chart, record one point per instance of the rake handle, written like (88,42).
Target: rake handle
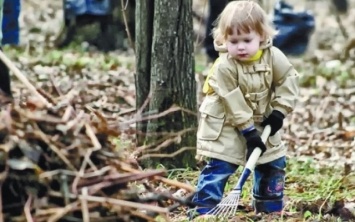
(257,151)
(250,165)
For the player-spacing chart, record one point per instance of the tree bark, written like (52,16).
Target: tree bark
(144,33)
(172,80)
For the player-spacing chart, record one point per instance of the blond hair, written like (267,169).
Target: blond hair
(244,16)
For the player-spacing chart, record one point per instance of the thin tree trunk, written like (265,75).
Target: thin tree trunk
(144,34)
(172,77)
(172,80)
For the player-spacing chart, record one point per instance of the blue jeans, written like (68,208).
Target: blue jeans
(269,180)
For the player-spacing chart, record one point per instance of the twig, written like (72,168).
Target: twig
(331,145)
(127,111)
(341,27)
(144,216)
(144,105)
(111,180)
(68,112)
(90,133)
(125,203)
(84,205)
(72,94)
(54,210)
(108,200)
(163,142)
(47,96)
(82,170)
(170,155)
(27,209)
(23,79)
(156,116)
(57,89)
(176,138)
(124,8)
(54,148)
(97,173)
(175,183)
(61,212)
(79,126)
(39,118)
(72,123)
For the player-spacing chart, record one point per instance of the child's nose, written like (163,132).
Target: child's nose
(240,47)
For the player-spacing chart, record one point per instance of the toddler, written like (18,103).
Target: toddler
(251,84)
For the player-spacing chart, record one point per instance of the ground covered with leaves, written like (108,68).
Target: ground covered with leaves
(320,132)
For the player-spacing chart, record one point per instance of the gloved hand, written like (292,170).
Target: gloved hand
(254,140)
(275,121)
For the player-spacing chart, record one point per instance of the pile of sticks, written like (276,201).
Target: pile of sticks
(60,163)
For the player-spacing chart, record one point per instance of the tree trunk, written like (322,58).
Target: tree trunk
(172,81)
(144,33)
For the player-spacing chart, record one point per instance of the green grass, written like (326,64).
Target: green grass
(310,190)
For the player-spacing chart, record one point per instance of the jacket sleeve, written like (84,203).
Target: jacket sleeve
(285,83)
(224,83)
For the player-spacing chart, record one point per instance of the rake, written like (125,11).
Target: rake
(228,206)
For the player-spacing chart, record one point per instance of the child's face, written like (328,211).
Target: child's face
(243,46)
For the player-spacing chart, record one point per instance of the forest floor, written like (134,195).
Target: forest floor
(320,132)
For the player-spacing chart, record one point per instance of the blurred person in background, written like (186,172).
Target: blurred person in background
(215,8)
(10,22)
(9,34)
(341,5)
(108,14)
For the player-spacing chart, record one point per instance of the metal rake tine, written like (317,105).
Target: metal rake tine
(225,210)
(227,207)
(231,209)
(235,207)
(211,211)
(217,210)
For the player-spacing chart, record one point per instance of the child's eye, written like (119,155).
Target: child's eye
(234,41)
(247,40)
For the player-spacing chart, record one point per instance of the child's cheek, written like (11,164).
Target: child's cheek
(232,49)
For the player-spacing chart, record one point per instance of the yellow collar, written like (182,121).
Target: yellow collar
(256,56)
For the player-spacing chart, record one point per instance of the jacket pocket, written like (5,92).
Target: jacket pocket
(212,121)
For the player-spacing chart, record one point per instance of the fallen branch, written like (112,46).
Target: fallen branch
(23,79)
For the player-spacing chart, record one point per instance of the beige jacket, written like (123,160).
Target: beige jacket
(241,95)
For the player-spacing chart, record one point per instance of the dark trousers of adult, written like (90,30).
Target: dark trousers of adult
(215,8)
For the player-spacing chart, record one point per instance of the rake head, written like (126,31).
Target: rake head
(228,206)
